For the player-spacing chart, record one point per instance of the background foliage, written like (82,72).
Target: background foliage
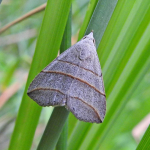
(125,60)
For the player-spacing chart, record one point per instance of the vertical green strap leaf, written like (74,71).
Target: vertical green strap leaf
(100,18)
(78,134)
(65,44)
(48,43)
(101,12)
(66,41)
(145,142)
(90,10)
(62,142)
(53,129)
(98,23)
(60,114)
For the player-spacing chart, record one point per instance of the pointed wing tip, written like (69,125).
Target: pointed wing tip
(97,120)
(91,34)
(28,91)
(29,94)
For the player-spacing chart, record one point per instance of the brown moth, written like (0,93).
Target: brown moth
(74,80)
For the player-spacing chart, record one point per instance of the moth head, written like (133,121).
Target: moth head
(89,38)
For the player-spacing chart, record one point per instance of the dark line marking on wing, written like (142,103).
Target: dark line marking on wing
(81,67)
(45,89)
(46,71)
(89,106)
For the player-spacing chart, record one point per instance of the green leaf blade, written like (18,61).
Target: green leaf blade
(97,17)
(47,47)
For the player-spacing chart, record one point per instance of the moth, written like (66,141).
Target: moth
(74,80)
